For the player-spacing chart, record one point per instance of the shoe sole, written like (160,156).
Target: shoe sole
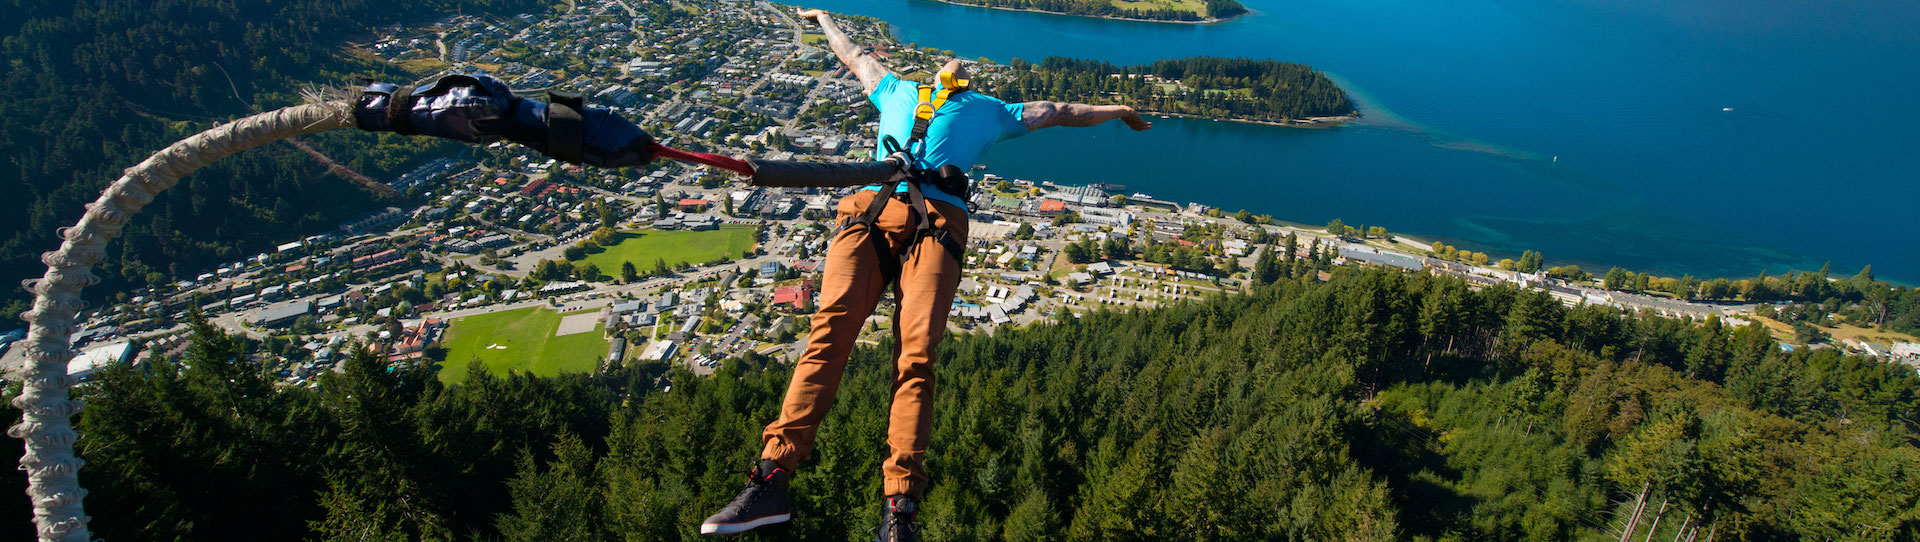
(730,528)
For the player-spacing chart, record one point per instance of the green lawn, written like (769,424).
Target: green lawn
(1191,6)
(646,247)
(527,335)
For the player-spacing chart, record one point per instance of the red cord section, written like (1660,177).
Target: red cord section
(723,162)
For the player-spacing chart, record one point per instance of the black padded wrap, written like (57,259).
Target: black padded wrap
(399,109)
(952,180)
(564,131)
(830,175)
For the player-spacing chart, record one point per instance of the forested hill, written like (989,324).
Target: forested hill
(1379,406)
(93,86)
(1209,9)
(1236,88)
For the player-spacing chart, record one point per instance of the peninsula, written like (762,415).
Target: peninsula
(1236,89)
(1159,11)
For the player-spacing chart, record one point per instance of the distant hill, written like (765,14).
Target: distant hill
(1378,406)
(94,86)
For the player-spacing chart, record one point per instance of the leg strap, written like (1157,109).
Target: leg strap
(889,261)
(927,229)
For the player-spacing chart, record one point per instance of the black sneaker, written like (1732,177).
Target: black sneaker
(898,525)
(763,502)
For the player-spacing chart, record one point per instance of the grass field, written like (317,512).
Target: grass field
(1784,332)
(422,65)
(528,341)
(644,248)
(1191,6)
(810,38)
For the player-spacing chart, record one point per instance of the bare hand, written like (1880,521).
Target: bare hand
(812,14)
(1135,121)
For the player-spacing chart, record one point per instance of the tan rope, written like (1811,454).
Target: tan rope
(53,480)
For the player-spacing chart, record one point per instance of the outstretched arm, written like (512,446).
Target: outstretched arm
(855,56)
(1044,114)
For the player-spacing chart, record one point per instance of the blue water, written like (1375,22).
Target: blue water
(1468,102)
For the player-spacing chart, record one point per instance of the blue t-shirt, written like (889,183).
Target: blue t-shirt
(961,130)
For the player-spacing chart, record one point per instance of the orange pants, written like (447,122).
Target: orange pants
(849,290)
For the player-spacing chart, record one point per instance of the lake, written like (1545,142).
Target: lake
(1710,137)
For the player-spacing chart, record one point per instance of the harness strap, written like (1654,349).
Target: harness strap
(564,130)
(400,111)
(927,229)
(889,260)
(930,102)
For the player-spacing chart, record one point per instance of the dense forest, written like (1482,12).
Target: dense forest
(94,86)
(1215,9)
(1377,406)
(1238,88)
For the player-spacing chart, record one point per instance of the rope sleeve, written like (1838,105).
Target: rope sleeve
(783,173)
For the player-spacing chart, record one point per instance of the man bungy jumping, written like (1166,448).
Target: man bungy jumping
(916,246)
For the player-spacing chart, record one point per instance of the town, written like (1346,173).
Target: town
(507,259)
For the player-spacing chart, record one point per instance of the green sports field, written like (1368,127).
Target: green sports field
(647,247)
(520,340)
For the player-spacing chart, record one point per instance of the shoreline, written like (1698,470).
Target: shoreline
(1208,20)
(1308,123)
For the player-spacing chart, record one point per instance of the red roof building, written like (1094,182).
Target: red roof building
(533,188)
(799,296)
(413,341)
(1052,207)
(382,257)
(692,205)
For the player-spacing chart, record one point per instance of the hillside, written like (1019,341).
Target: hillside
(1379,406)
(94,86)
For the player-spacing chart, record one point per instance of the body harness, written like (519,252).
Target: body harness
(948,178)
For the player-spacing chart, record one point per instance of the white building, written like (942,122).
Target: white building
(94,359)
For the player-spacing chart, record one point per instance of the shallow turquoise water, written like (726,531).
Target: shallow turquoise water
(1469,102)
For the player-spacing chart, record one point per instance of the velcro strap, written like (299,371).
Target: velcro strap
(400,111)
(949,242)
(564,130)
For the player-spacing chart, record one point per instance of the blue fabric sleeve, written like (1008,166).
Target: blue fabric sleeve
(887,89)
(1011,127)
